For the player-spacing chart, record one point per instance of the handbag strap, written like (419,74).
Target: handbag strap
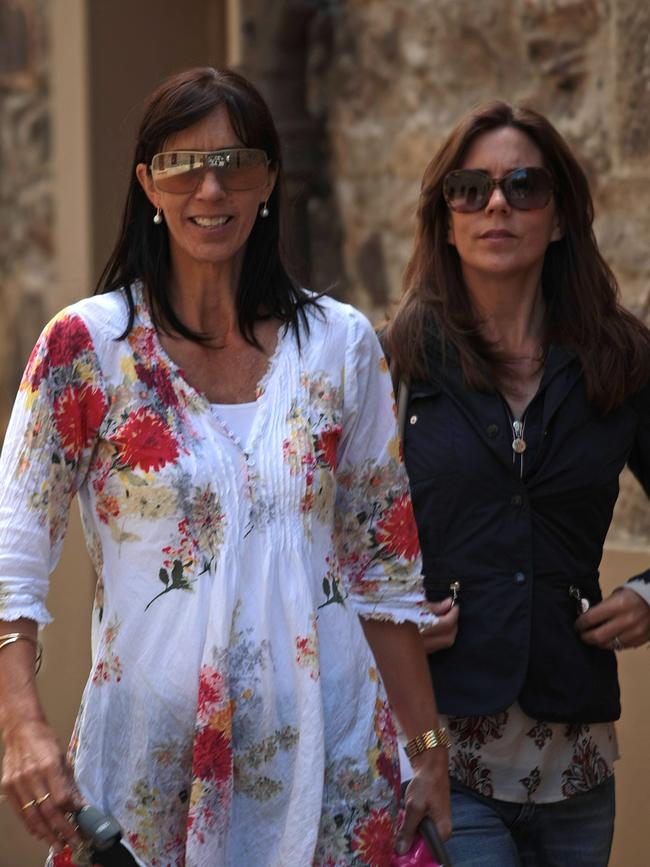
(401,397)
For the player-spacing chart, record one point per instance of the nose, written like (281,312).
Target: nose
(210,186)
(497,201)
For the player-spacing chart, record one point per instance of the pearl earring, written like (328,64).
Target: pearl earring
(157,217)
(264,211)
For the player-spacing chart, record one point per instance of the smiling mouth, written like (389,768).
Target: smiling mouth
(210,222)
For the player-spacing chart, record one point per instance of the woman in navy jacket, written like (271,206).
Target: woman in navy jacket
(527,395)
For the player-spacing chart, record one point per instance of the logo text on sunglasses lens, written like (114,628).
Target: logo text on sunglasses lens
(217,160)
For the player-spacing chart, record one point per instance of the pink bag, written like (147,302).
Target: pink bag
(417,856)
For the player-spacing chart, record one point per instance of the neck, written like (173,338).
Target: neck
(203,295)
(511,315)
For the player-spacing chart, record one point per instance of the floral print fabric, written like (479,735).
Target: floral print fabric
(233,714)
(510,757)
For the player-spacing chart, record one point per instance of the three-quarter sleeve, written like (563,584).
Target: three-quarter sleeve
(376,535)
(47,449)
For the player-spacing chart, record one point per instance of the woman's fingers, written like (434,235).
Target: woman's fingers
(43,798)
(622,620)
(442,607)
(413,815)
(443,633)
(414,812)
(39,784)
(427,795)
(63,800)
(32,808)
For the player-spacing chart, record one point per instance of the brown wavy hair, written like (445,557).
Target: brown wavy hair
(583,310)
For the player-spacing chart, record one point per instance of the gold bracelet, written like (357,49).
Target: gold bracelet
(12,637)
(427,741)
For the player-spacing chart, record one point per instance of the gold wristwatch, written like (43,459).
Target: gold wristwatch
(427,741)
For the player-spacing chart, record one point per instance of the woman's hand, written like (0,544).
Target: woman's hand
(426,795)
(443,633)
(39,784)
(622,620)
(401,659)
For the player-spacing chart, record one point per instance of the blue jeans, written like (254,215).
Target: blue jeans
(576,832)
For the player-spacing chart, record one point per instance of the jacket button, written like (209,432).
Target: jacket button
(492,430)
(413,419)
(520,578)
(516,500)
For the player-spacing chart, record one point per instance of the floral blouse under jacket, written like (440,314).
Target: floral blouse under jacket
(233,714)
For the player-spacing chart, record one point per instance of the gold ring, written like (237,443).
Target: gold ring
(42,799)
(618,644)
(29,804)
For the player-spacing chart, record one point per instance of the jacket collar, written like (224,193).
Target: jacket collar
(484,410)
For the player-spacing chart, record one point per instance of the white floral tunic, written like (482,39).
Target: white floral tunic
(233,714)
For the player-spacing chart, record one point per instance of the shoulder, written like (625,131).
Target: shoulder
(82,331)
(103,315)
(334,320)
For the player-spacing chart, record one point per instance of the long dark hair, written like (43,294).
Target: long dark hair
(582,298)
(266,288)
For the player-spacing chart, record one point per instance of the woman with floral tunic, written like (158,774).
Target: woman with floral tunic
(233,444)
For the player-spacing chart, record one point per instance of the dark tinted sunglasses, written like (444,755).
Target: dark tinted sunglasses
(469,190)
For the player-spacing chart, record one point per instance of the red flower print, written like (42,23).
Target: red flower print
(77,416)
(327,445)
(373,839)
(134,840)
(212,758)
(540,734)
(64,859)
(467,769)
(475,731)
(210,685)
(157,379)
(384,723)
(587,770)
(397,531)
(37,368)
(575,731)
(532,782)
(66,340)
(389,770)
(146,441)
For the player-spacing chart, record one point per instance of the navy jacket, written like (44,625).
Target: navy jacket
(520,546)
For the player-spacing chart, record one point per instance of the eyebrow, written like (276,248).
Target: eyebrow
(234,147)
(506,171)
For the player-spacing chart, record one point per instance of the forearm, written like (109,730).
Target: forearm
(18,696)
(400,657)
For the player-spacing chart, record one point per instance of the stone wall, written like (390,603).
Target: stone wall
(365,90)
(389,79)
(26,224)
